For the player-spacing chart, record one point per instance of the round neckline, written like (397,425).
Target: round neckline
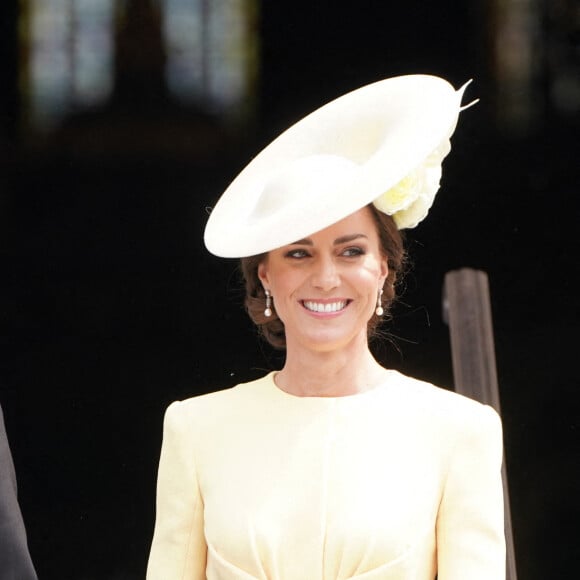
(379,387)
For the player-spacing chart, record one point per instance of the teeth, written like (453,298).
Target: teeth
(328,307)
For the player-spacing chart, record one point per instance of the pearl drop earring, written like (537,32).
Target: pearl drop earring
(268,309)
(379,309)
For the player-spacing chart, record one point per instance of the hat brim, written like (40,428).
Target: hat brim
(354,148)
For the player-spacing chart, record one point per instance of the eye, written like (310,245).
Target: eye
(297,253)
(353,251)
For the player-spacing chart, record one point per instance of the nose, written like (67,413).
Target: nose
(325,275)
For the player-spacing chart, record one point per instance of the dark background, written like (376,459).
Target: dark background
(111,307)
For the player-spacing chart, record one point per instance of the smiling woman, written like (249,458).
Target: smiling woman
(325,288)
(332,467)
(391,248)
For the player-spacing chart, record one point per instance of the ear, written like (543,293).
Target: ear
(263,273)
(384,271)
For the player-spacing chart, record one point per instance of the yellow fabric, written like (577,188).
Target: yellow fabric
(398,483)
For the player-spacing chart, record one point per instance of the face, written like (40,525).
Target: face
(325,286)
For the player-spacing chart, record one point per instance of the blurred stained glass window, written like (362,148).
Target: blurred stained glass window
(68,54)
(69,57)
(211,50)
(535,59)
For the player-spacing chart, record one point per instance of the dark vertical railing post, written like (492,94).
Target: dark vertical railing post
(467,311)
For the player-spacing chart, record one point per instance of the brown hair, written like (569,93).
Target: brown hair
(272,328)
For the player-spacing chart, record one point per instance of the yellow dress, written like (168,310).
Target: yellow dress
(401,482)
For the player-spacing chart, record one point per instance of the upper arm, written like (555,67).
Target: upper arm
(14,553)
(470,532)
(178,550)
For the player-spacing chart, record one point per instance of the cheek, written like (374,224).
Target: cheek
(282,286)
(372,274)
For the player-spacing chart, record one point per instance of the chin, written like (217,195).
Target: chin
(329,341)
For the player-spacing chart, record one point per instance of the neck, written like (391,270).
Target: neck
(337,373)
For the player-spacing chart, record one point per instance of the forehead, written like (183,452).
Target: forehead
(360,222)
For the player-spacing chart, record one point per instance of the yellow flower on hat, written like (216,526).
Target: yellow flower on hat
(409,201)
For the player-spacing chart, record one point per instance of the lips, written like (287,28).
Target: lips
(325,307)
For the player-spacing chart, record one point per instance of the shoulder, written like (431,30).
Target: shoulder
(223,405)
(447,409)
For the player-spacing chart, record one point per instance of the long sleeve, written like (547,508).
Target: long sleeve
(178,550)
(470,532)
(15,562)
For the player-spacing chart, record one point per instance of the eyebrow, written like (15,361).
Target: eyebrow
(342,240)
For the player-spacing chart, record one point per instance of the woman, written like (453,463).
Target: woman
(333,467)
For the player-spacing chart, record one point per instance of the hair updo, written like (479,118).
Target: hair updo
(272,328)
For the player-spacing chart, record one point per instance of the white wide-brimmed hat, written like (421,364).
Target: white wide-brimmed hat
(383,143)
